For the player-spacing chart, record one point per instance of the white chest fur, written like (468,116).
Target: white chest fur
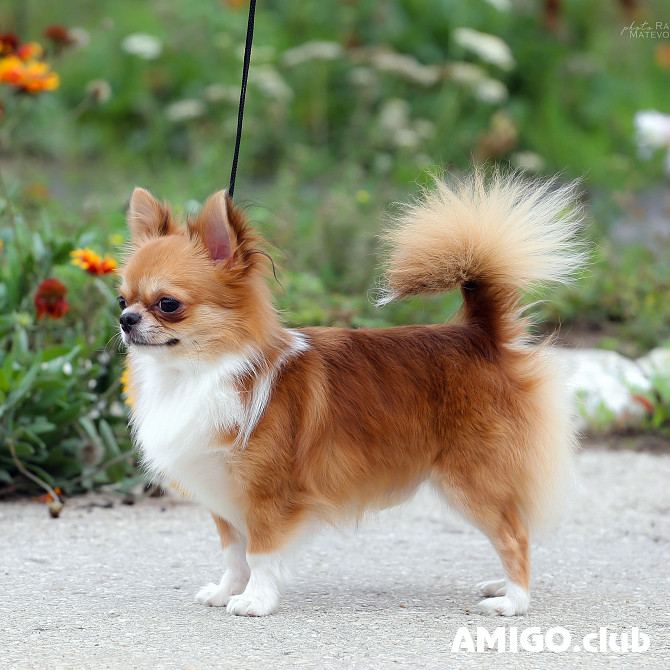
(179,411)
(181,407)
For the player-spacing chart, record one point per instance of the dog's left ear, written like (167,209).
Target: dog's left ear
(212,226)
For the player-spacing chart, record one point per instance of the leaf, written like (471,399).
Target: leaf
(31,436)
(40,427)
(23,387)
(55,352)
(23,449)
(89,429)
(108,437)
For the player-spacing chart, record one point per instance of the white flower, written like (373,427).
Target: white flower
(363,77)
(220,93)
(394,115)
(488,47)
(99,90)
(271,83)
(500,5)
(185,110)
(142,45)
(528,161)
(406,67)
(116,409)
(652,130)
(308,51)
(79,38)
(465,73)
(490,90)
(406,138)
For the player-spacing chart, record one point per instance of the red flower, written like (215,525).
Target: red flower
(50,299)
(9,43)
(58,35)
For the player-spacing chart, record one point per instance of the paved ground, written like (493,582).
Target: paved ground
(113,588)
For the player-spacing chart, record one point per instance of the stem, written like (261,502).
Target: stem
(31,476)
(112,461)
(14,219)
(10,208)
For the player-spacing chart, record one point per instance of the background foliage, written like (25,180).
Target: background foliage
(351,105)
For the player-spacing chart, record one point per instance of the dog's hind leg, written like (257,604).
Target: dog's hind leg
(510,539)
(495,513)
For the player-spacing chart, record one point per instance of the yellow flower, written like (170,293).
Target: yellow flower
(125,387)
(362,196)
(93,263)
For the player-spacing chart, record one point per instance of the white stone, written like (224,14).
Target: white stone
(656,363)
(607,386)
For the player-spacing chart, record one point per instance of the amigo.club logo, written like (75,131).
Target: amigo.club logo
(557,640)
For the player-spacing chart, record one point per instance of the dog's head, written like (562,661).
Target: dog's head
(193,291)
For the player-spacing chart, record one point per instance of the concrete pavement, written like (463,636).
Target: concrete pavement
(114,588)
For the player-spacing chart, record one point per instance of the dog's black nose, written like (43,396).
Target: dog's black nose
(127,321)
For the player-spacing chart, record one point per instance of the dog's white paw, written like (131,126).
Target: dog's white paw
(514,602)
(256,604)
(494,587)
(218,595)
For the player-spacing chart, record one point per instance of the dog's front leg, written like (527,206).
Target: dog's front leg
(265,586)
(267,533)
(236,574)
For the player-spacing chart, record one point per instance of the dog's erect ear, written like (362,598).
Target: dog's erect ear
(147,217)
(212,226)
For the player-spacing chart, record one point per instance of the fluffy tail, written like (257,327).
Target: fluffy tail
(489,237)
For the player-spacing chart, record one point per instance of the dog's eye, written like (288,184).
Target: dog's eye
(168,305)
(122,303)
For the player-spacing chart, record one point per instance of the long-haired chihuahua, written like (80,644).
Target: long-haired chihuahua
(275,429)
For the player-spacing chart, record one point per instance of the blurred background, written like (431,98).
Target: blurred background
(351,106)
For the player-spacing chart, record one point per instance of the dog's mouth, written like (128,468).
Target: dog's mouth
(144,343)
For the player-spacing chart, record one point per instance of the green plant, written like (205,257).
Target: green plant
(61,416)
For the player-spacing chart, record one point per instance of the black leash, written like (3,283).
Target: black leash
(243,92)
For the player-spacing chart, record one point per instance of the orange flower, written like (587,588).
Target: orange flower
(32,76)
(29,51)
(47,497)
(11,70)
(93,263)
(663,56)
(50,299)
(37,77)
